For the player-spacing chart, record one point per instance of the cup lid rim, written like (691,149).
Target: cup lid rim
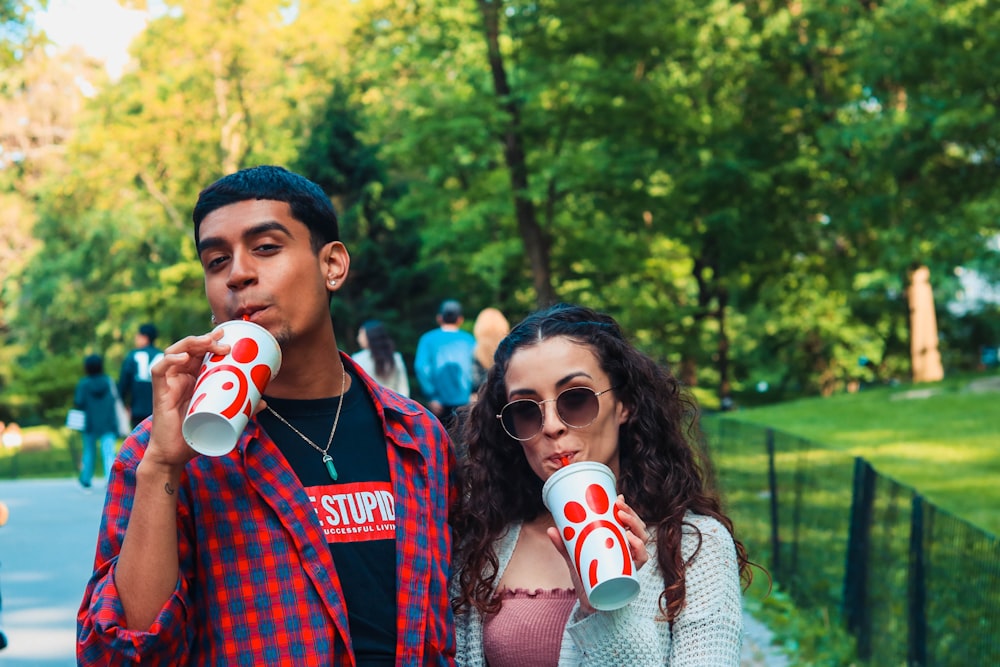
(576,466)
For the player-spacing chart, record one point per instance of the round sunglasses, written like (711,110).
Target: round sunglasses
(577,407)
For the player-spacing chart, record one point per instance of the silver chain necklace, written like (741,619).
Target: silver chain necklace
(327,459)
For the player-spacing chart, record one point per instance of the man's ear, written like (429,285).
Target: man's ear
(335,264)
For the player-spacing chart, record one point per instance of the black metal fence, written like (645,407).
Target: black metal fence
(913,584)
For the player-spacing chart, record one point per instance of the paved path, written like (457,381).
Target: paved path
(46,555)
(757,648)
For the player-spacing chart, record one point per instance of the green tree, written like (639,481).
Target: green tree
(387,280)
(523,140)
(914,154)
(113,225)
(588,137)
(744,185)
(18,35)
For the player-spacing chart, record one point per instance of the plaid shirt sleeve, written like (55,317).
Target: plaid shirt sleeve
(101,630)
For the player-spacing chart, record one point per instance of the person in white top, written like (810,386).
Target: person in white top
(569,387)
(379,358)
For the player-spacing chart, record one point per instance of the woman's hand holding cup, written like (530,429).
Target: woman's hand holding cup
(636,532)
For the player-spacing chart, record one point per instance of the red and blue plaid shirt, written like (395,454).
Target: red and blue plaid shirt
(258,585)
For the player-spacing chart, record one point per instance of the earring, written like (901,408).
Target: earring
(333,283)
(213,318)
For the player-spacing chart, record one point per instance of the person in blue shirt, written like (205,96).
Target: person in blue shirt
(443,363)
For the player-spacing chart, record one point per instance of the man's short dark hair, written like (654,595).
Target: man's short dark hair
(93,364)
(309,204)
(149,331)
(450,311)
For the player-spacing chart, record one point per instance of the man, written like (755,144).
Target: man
(135,385)
(443,363)
(270,555)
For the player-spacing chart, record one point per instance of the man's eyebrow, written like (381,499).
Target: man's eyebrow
(209,242)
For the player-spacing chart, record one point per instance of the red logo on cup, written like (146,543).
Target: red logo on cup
(234,380)
(594,527)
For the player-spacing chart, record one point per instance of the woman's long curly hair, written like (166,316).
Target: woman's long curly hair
(663,470)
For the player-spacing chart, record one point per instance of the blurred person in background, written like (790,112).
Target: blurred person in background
(135,382)
(378,357)
(489,329)
(95,396)
(443,363)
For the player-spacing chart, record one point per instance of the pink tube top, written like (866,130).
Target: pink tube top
(528,629)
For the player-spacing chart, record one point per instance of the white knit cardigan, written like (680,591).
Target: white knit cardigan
(707,633)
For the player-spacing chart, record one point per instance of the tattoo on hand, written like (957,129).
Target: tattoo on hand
(169,489)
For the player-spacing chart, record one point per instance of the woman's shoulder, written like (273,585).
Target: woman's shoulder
(706,530)
(703,522)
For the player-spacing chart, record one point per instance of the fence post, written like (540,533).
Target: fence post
(772,482)
(916,648)
(856,608)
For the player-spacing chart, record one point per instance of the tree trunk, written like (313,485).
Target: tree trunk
(536,244)
(689,371)
(925,357)
(725,389)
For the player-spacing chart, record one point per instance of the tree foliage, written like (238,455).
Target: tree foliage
(744,185)
(18,34)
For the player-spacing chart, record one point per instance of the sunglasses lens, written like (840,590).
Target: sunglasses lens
(522,419)
(578,407)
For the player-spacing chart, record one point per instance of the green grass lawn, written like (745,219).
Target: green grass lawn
(942,439)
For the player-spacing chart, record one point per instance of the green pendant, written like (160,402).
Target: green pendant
(328,461)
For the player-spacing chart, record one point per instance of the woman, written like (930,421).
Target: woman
(489,329)
(567,387)
(95,395)
(378,357)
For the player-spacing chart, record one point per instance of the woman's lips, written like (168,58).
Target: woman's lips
(562,459)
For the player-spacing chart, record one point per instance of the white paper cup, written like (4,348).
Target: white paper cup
(229,387)
(581,497)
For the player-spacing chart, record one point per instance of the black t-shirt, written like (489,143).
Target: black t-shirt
(357,512)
